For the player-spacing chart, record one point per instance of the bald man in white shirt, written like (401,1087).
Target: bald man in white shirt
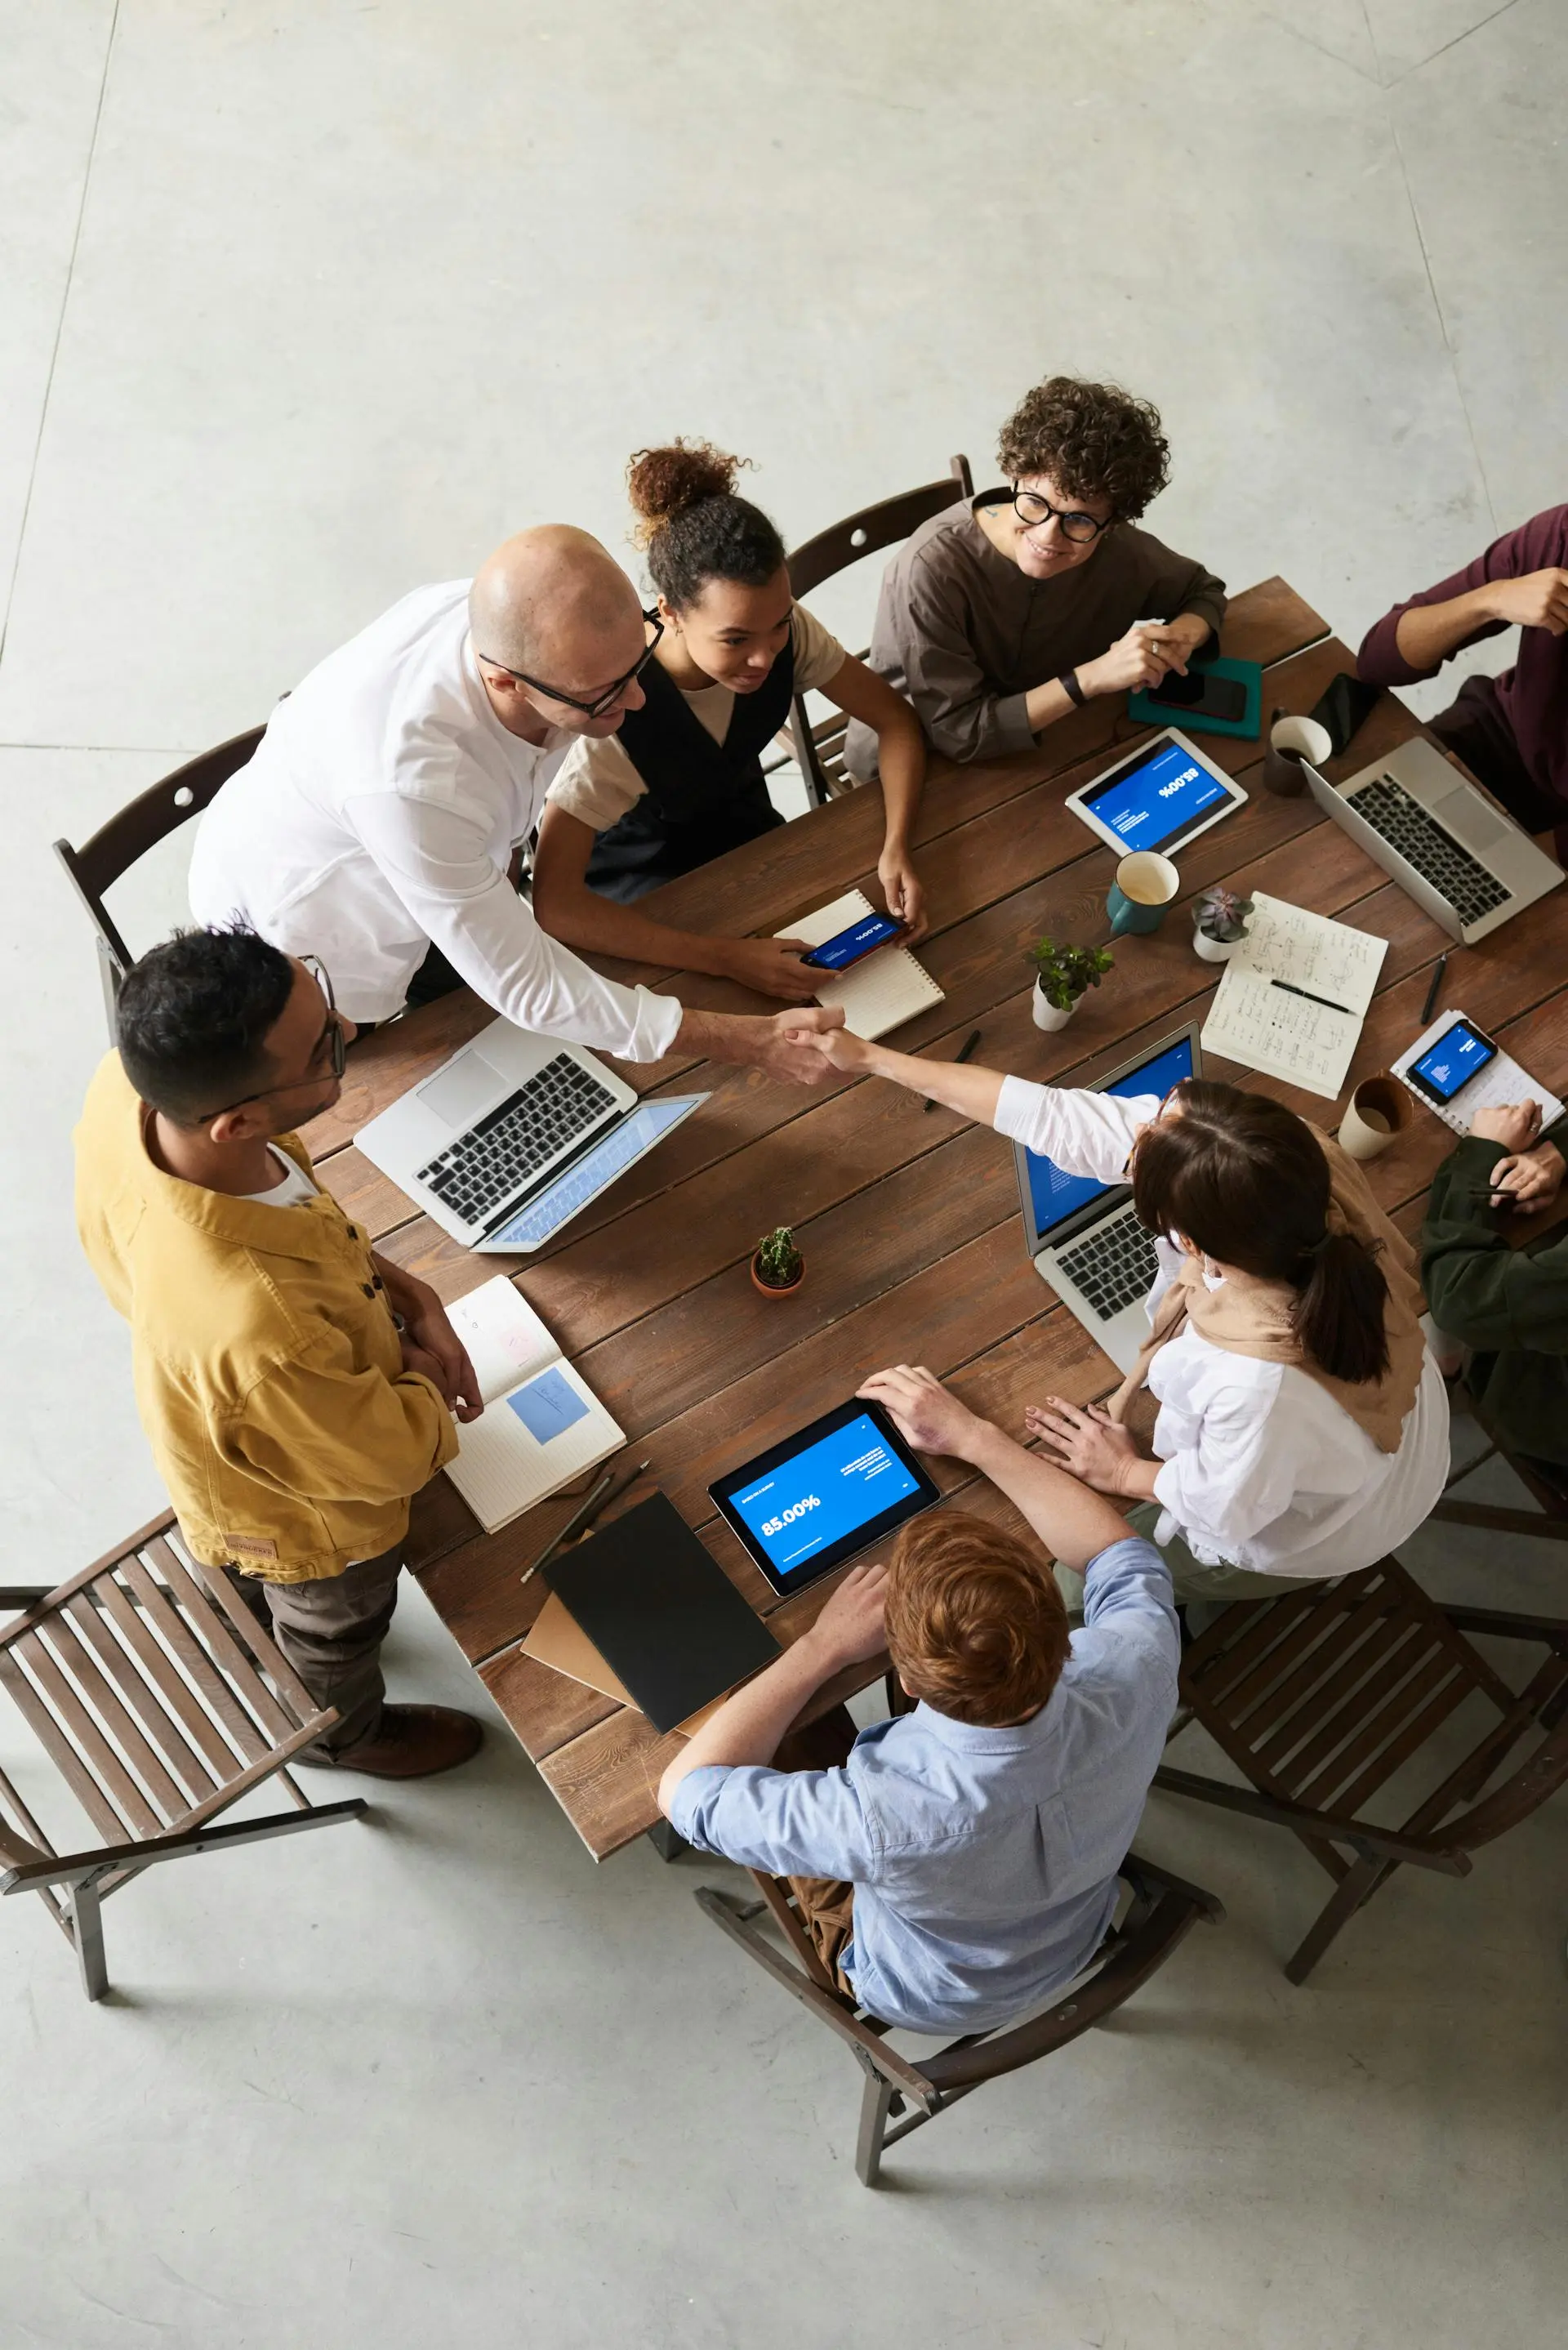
(383,812)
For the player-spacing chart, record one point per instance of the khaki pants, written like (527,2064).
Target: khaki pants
(826,1904)
(331,1632)
(1209,1589)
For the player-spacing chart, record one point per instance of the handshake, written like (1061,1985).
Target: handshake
(807,1045)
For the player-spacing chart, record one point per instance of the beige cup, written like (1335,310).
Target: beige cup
(1291,740)
(1378,1112)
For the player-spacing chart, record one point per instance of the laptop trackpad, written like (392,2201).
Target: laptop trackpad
(464,1092)
(1470,820)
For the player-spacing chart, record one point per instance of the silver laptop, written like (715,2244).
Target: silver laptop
(1462,860)
(1083,1236)
(514,1135)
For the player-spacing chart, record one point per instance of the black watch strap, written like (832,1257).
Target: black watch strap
(1068,681)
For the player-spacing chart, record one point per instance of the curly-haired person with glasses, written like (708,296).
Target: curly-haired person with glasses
(1000,615)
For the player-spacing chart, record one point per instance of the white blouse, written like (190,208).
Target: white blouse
(1262,1469)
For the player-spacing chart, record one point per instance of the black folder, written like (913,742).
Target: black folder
(661,1612)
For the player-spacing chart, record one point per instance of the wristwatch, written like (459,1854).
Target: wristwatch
(1068,681)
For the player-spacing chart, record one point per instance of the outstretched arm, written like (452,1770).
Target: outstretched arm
(957,1084)
(901,764)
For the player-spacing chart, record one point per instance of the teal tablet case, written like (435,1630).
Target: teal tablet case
(1251,721)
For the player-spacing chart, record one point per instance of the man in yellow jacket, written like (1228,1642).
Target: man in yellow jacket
(295,1387)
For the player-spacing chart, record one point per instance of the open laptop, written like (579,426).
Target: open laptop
(1083,1236)
(1462,860)
(514,1135)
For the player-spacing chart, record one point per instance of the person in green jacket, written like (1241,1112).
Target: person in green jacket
(1509,1306)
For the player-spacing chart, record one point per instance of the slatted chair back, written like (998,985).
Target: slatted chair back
(1322,1696)
(160,1700)
(820,749)
(1162,1911)
(139,827)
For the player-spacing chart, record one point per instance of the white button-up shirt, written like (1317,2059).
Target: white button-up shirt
(379,816)
(1262,1469)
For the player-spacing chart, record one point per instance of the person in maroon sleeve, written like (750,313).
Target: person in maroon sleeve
(1511,731)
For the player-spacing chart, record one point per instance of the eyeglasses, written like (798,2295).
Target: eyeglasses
(1031,508)
(331,1035)
(603,702)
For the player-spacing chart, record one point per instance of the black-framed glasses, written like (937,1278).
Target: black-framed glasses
(331,1035)
(603,702)
(1031,508)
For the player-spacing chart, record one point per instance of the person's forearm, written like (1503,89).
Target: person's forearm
(901,764)
(582,918)
(1074,1522)
(749,1726)
(1427,633)
(406,1294)
(1190,630)
(957,1084)
(1045,704)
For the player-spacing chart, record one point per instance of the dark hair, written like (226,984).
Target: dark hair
(1093,439)
(975,1623)
(1247,1181)
(193,1017)
(692,527)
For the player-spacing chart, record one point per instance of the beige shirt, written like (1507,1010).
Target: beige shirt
(598,783)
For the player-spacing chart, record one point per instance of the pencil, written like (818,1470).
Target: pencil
(607,1489)
(1430,1006)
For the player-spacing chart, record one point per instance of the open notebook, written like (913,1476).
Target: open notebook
(888,988)
(542,1426)
(1291,998)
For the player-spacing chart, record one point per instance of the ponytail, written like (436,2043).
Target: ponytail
(1339,1310)
(1245,1180)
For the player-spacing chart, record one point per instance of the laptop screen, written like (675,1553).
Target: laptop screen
(1054,1196)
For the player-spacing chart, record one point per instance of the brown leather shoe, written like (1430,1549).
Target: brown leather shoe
(414,1741)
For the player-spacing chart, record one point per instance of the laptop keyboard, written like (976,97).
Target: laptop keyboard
(490,1164)
(1116,1266)
(1471,889)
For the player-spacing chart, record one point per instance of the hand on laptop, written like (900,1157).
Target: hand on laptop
(922,1411)
(1090,1443)
(849,1628)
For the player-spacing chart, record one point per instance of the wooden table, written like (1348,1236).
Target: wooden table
(909,1222)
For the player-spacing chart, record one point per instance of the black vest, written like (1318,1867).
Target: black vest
(703,796)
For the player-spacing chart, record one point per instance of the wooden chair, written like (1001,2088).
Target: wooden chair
(1547,1521)
(1320,1697)
(1162,1909)
(150,818)
(160,1701)
(820,749)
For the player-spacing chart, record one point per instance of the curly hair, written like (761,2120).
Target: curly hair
(692,527)
(1092,439)
(975,1624)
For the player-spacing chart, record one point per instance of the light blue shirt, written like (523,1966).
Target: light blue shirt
(984,1861)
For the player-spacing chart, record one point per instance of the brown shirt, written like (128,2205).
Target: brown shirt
(966,635)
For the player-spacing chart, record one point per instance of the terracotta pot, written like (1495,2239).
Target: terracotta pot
(770,1289)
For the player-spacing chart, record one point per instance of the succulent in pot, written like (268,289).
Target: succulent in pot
(777,1265)
(1062,976)
(1220,920)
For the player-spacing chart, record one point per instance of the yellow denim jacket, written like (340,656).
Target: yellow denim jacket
(268,1370)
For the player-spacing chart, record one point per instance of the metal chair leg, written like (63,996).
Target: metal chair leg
(85,1912)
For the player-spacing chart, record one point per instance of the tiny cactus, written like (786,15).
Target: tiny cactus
(778,1261)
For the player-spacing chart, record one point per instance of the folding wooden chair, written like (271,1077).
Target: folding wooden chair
(1320,1697)
(137,827)
(1162,1909)
(820,749)
(160,1701)
(1547,1521)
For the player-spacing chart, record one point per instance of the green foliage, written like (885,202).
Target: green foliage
(1066,973)
(779,1262)
(1221,915)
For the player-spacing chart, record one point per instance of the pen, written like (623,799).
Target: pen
(1291,989)
(964,1050)
(603,1493)
(1430,1004)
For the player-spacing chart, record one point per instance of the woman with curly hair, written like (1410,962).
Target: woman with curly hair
(681,780)
(999,617)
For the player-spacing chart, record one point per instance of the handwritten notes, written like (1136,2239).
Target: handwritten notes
(1293,996)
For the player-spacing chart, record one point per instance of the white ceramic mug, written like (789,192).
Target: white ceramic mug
(1377,1113)
(1291,740)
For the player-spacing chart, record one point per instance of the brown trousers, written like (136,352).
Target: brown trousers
(331,1632)
(826,1904)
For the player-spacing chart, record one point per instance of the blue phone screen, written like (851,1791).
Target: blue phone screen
(1458,1055)
(848,946)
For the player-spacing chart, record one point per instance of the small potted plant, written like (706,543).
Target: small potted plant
(1063,975)
(1220,922)
(778,1267)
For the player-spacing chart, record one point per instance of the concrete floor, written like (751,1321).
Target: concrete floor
(306,304)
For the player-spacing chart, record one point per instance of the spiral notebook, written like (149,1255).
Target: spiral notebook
(542,1425)
(1502,1081)
(888,988)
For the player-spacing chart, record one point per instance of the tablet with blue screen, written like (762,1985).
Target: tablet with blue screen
(832,1490)
(1160,797)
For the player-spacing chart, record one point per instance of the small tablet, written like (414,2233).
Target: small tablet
(1162,795)
(814,1501)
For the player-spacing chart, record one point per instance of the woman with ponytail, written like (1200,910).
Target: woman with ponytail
(681,781)
(1303,1428)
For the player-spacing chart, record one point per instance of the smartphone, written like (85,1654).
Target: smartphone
(872,931)
(1343,707)
(1203,694)
(1450,1063)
